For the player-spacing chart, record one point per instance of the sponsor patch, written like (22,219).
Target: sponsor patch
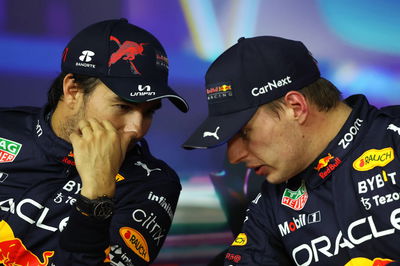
(69,159)
(274,84)
(351,134)
(16,253)
(323,162)
(119,177)
(219,92)
(161,60)
(362,231)
(117,256)
(295,200)
(241,240)
(136,242)
(373,158)
(394,128)
(212,133)
(146,168)
(364,261)
(127,51)
(163,203)
(3,177)
(8,150)
(233,257)
(325,165)
(296,223)
(149,221)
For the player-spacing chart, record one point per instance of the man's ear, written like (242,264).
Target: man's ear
(298,104)
(72,93)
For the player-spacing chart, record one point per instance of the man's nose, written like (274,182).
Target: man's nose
(237,151)
(134,124)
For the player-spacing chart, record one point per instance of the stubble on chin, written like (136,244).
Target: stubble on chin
(70,125)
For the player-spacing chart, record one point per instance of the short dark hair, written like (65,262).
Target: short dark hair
(55,93)
(322,93)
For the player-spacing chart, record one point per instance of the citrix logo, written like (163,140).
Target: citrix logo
(86,56)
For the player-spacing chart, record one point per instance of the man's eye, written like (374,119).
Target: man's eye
(123,107)
(244,133)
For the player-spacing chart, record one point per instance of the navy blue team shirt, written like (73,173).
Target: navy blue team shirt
(38,188)
(344,209)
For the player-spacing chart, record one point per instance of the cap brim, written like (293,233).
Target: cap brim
(217,130)
(139,90)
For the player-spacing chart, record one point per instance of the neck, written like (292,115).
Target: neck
(324,127)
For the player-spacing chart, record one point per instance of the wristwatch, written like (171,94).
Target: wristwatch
(100,208)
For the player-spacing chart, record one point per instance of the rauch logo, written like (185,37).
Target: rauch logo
(372,158)
(135,241)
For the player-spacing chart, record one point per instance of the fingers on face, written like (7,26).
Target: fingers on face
(107,125)
(93,126)
(84,127)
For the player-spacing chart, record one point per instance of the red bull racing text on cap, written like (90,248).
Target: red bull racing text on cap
(253,72)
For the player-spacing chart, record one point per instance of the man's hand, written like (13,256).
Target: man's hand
(99,150)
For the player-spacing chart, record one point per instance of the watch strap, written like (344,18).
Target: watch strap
(100,208)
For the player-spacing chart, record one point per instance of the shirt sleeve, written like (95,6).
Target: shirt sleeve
(258,243)
(134,234)
(141,224)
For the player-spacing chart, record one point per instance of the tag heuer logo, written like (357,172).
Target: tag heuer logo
(295,200)
(8,150)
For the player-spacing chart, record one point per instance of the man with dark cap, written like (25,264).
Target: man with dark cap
(331,195)
(79,185)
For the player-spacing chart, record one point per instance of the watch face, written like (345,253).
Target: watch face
(103,209)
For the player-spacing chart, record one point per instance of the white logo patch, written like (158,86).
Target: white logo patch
(394,128)
(270,86)
(39,130)
(3,176)
(86,56)
(211,134)
(145,167)
(143,90)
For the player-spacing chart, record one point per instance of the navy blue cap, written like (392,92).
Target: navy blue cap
(126,58)
(253,72)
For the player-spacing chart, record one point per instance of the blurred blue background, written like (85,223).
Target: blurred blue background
(357,45)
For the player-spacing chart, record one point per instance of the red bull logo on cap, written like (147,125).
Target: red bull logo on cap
(219,92)
(221,88)
(127,51)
